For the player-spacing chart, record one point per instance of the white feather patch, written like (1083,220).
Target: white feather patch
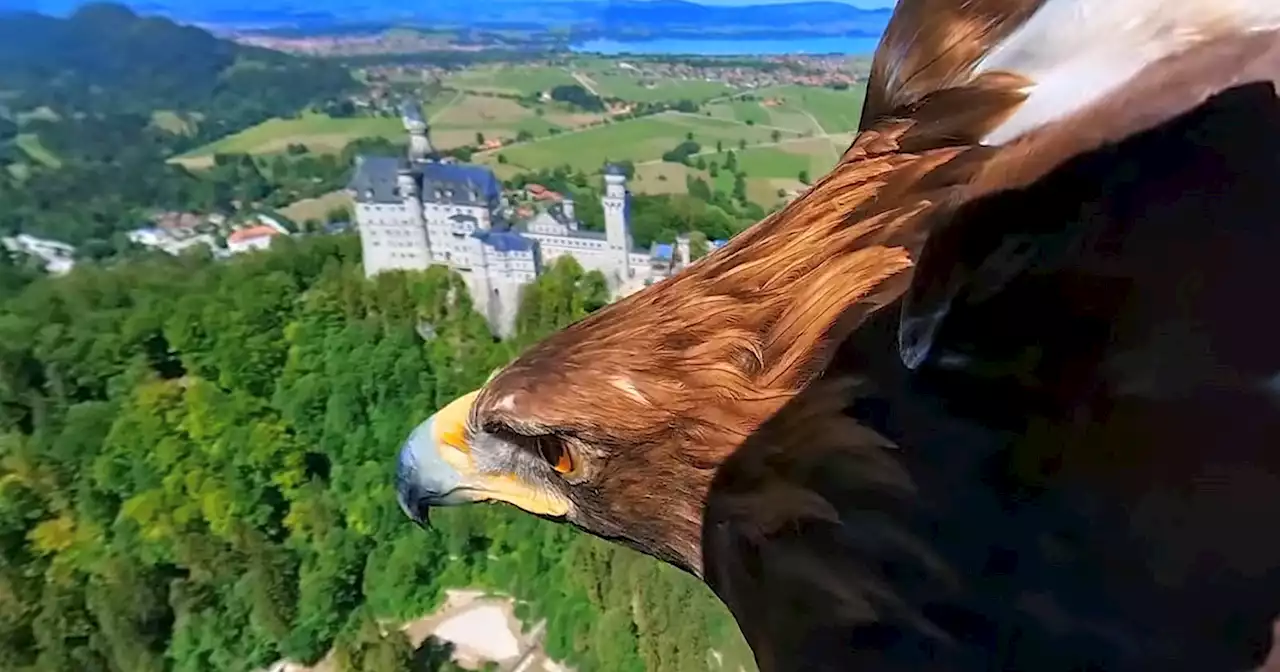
(627,386)
(1076,52)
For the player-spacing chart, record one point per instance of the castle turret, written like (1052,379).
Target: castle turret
(419,134)
(617,237)
(411,202)
(570,219)
(682,250)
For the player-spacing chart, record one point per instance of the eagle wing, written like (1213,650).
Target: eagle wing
(1058,450)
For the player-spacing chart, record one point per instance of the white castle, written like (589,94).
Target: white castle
(422,210)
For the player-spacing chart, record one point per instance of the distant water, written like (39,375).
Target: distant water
(809,45)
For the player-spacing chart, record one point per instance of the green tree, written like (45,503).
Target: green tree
(699,246)
(194,470)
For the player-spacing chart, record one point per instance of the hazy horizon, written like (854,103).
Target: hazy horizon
(146,6)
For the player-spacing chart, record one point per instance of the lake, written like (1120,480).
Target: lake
(720,47)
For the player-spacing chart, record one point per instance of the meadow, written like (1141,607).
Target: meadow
(30,143)
(649,90)
(835,111)
(317,208)
(637,140)
(510,79)
(320,133)
(779,134)
(455,118)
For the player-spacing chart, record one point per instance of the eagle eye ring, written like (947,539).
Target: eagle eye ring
(554,450)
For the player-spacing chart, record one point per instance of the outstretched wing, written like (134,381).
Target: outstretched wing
(1078,469)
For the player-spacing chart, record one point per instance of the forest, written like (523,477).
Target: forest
(87,90)
(105,60)
(196,474)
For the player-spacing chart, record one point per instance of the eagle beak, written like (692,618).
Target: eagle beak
(437,468)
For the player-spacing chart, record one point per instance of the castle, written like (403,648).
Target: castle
(423,209)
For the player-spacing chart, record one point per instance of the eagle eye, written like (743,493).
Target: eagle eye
(556,453)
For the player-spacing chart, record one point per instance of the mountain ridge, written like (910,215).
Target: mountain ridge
(600,17)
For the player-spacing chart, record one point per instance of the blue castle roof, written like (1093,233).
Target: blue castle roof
(505,241)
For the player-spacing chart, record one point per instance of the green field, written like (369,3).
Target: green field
(644,90)
(455,120)
(316,208)
(750,112)
(836,111)
(30,143)
(769,168)
(510,79)
(639,140)
(173,122)
(781,116)
(318,132)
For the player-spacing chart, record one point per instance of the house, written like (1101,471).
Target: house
(58,257)
(252,238)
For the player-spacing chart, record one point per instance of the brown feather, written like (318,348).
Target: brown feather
(664,387)
(932,45)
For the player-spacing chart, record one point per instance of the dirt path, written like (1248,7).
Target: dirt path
(481,627)
(453,101)
(586,83)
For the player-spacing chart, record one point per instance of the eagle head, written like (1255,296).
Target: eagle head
(618,423)
(613,425)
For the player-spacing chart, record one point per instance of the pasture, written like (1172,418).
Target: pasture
(638,140)
(627,86)
(516,80)
(30,143)
(318,132)
(836,111)
(316,208)
(455,121)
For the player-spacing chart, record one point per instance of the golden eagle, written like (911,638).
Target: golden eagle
(1001,391)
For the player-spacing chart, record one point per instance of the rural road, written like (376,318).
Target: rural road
(586,83)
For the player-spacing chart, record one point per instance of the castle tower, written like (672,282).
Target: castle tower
(419,139)
(570,218)
(683,252)
(420,242)
(617,237)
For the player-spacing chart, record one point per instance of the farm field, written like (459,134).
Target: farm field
(642,90)
(836,111)
(638,140)
(316,208)
(30,143)
(455,121)
(517,80)
(786,130)
(318,132)
(768,167)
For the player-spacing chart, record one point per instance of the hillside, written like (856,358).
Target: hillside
(104,59)
(105,94)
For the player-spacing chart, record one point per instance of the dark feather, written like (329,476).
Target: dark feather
(1083,473)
